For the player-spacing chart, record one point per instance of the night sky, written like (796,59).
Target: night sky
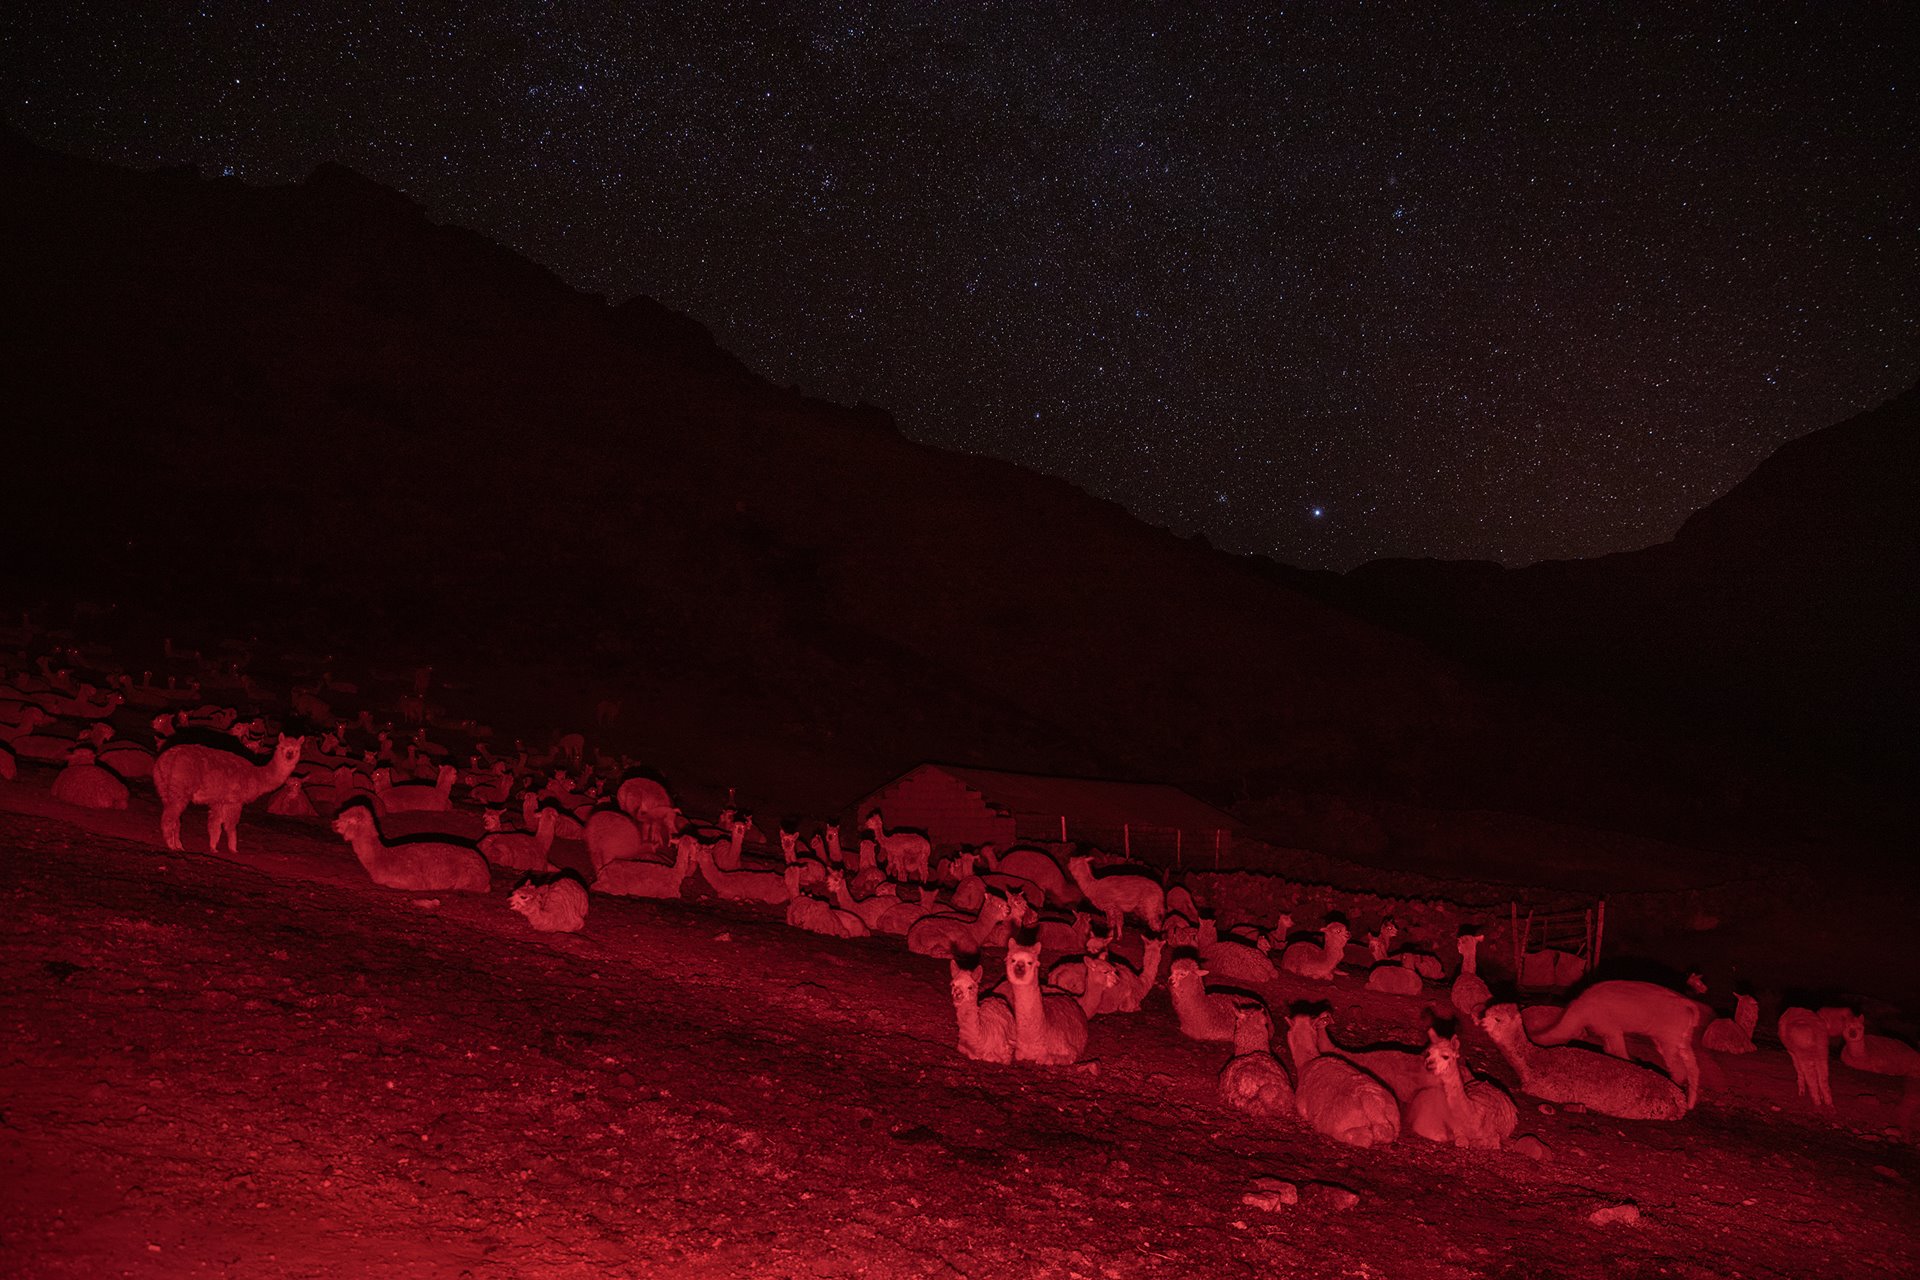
(1330,284)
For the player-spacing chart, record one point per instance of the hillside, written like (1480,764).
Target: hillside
(310,414)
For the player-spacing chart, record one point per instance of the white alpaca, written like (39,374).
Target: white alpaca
(807,912)
(1479,1114)
(1336,1097)
(1049,1029)
(1380,946)
(1404,1071)
(435,863)
(1036,867)
(1319,962)
(1611,1011)
(1203,1014)
(1469,994)
(1118,893)
(611,836)
(645,878)
(222,780)
(986,1026)
(1237,963)
(552,904)
(869,909)
(906,854)
(951,933)
(1808,1039)
(1611,1086)
(414,797)
(1253,1079)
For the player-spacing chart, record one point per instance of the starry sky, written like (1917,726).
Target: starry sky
(1323,282)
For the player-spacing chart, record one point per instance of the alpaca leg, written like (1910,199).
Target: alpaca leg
(230,819)
(1116,921)
(1615,1043)
(170,824)
(1684,1068)
(213,828)
(1822,1089)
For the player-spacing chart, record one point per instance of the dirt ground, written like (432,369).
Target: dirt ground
(266,1066)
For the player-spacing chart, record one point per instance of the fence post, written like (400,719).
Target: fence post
(1599,930)
(1177,834)
(1216,848)
(1126,839)
(1063,828)
(1513,931)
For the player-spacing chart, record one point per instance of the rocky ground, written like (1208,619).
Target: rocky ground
(266,1066)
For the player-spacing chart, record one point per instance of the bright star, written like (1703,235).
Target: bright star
(1318,512)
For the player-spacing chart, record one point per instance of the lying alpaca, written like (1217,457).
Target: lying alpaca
(87,785)
(805,911)
(291,801)
(1336,1097)
(422,863)
(1395,978)
(1808,1039)
(1253,1079)
(1237,962)
(518,850)
(1037,868)
(552,904)
(986,1026)
(1469,994)
(1130,986)
(1468,1115)
(1735,1034)
(869,909)
(1611,1086)
(1119,893)
(947,934)
(645,878)
(1203,1014)
(222,780)
(413,797)
(738,886)
(1049,1029)
(1319,962)
(1402,1070)
(1612,1011)
(899,918)
(611,836)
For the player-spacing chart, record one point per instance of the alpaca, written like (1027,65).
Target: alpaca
(1882,1055)
(1395,977)
(87,785)
(1336,1097)
(1468,1115)
(1612,1011)
(552,904)
(433,862)
(905,853)
(807,912)
(1049,1029)
(645,878)
(1182,907)
(1403,1071)
(1611,1086)
(1038,868)
(1253,1079)
(1808,1038)
(291,801)
(737,886)
(1237,962)
(128,759)
(611,836)
(986,1026)
(1130,985)
(1735,1034)
(413,797)
(1203,1014)
(1118,893)
(1380,945)
(517,850)
(899,918)
(1068,936)
(1321,961)
(1469,994)
(870,909)
(945,934)
(222,780)
(9,763)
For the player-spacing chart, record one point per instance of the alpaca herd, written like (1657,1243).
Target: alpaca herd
(589,826)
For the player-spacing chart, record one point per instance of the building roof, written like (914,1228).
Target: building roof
(1092,802)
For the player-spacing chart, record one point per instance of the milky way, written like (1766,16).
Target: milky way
(1328,284)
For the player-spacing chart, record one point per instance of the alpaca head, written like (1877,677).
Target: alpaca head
(1853,1028)
(874,822)
(286,753)
(491,819)
(1336,934)
(1443,1054)
(1502,1023)
(1186,971)
(1251,1021)
(964,981)
(1468,943)
(353,820)
(1023,965)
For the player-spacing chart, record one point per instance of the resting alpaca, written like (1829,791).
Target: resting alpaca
(430,863)
(1049,1029)
(1336,1097)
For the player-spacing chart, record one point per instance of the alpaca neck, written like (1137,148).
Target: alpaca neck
(966,1013)
(1303,1040)
(1469,961)
(1082,876)
(1247,1038)
(1454,1090)
(1029,1013)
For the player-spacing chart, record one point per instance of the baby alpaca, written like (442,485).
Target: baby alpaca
(1468,1115)
(1049,1029)
(552,904)
(1336,1097)
(1612,1011)
(1611,1086)
(1253,1079)
(1319,962)
(986,1026)
(420,864)
(1119,893)
(222,780)
(1808,1039)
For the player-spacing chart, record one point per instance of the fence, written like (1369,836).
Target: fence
(1175,847)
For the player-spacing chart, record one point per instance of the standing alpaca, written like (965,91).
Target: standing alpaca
(1612,1011)
(1336,1097)
(1321,961)
(1468,1115)
(1118,893)
(645,878)
(1048,1029)
(906,854)
(410,863)
(986,1026)
(1611,1086)
(1808,1039)
(1253,1079)
(222,780)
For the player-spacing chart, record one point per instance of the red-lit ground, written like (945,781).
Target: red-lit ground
(268,1067)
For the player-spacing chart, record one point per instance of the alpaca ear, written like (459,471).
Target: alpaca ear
(1433,1037)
